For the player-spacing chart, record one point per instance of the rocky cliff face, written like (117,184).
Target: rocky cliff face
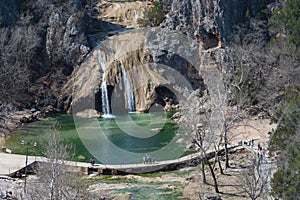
(211,22)
(61,40)
(67,32)
(65,39)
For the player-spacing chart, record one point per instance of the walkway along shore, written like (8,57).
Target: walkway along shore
(11,163)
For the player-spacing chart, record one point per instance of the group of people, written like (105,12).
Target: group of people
(148,159)
(249,143)
(261,151)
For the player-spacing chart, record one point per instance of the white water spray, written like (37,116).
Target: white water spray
(128,90)
(104,92)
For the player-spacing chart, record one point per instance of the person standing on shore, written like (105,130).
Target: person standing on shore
(92,161)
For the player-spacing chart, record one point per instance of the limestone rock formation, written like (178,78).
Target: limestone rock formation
(122,13)
(157,76)
(211,22)
(70,33)
(65,41)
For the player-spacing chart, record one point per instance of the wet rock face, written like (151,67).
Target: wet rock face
(156,77)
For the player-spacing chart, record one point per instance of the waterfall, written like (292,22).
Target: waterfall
(104,93)
(128,90)
(136,15)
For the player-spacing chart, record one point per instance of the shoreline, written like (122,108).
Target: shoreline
(13,120)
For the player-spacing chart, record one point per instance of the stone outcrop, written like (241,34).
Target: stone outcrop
(65,40)
(211,22)
(122,13)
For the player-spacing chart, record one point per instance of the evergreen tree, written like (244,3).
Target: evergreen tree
(286,21)
(286,140)
(152,17)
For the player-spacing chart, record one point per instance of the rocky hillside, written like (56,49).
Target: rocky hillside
(65,35)
(211,22)
(123,13)
(43,42)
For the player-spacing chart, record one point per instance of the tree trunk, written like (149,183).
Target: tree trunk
(226,152)
(205,158)
(220,166)
(203,171)
(213,175)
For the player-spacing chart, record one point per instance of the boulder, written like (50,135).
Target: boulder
(25,120)
(211,197)
(89,113)
(176,116)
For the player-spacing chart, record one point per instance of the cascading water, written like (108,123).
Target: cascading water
(136,16)
(128,90)
(104,92)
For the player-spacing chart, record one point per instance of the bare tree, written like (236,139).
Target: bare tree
(198,118)
(18,48)
(252,180)
(55,179)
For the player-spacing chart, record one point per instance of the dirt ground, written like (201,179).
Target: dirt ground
(252,128)
(228,183)
(246,130)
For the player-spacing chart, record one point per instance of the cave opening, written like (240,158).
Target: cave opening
(163,96)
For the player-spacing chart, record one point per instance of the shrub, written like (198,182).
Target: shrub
(152,17)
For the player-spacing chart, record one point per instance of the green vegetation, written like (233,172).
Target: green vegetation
(188,152)
(153,16)
(59,3)
(152,174)
(147,188)
(108,179)
(26,6)
(286,21)
(286,142)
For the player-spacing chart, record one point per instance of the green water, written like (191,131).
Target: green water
(116,131)
(151,186)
